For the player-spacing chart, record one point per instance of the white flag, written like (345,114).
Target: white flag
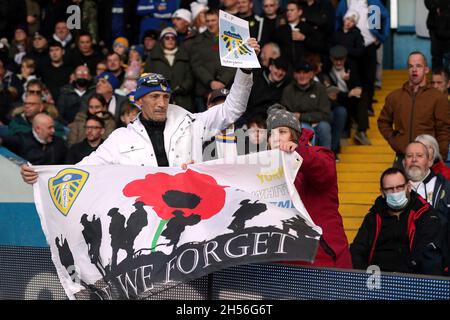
(126,232)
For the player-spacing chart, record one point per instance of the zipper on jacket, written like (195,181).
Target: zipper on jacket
(176,130)
(436,195)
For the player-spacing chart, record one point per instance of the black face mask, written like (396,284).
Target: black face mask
(81,82)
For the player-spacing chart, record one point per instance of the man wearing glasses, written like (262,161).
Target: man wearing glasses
(165,134)
(401,232)
(94,130)
(33,105)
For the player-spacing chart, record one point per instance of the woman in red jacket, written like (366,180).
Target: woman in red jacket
(316,183)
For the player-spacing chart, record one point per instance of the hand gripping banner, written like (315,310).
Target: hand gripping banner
(127,232)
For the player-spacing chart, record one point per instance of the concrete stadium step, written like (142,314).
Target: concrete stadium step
(358,187)
(358,177)
(362,167)
(386,149)
(358,198)
(354,210)
(367,158)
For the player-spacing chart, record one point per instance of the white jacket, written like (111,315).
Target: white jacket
(184,132)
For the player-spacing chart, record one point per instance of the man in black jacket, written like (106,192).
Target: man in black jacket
(94,128)
(84,53)
(246,12)
(320,14)
(55,73)
(40,146)
(267,88)
(272,18)
(344,75)
(296,38)
(401,232)
(434,188)
(71,95)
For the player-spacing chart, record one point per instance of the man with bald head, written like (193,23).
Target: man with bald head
(269,51)
(40,146)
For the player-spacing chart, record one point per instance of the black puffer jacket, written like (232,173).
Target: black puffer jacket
(69,102)
(438,20)
(410,243)
(26,146)
(353,41)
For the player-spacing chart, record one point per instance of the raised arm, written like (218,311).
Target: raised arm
(221,116)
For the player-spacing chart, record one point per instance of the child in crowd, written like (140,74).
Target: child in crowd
(128,114)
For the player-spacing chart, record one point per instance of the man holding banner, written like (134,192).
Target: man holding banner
(151,228)
(165,134)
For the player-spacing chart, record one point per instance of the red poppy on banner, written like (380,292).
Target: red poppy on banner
(190,192)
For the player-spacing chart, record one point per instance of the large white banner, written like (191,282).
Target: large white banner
(126,232)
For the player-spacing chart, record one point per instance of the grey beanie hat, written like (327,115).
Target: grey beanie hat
(278,116)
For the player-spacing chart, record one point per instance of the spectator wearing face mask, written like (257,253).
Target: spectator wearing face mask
(70,98)
(401,232)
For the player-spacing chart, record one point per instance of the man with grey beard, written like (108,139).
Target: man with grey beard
(435,189)
(422,179)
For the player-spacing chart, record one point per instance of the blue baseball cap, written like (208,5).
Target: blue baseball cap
(108,76)
(150,82)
